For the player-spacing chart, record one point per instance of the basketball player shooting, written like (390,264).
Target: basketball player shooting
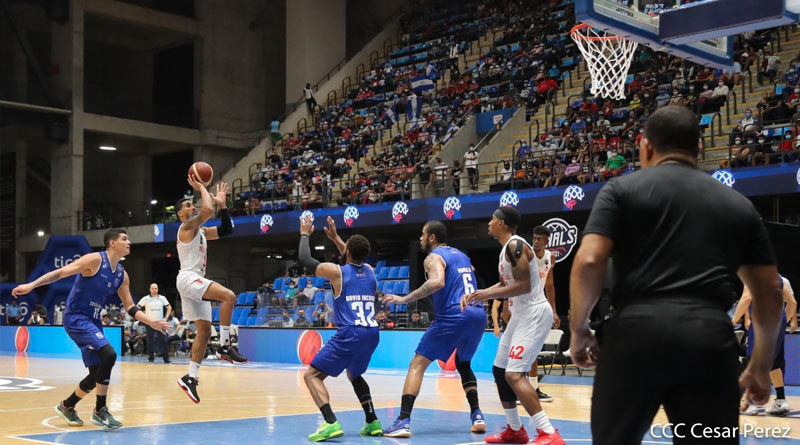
(531,320)
(100,276)
(195,289)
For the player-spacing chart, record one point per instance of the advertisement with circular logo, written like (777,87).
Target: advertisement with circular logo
(572,196)
(452,208)
(509,199)
(725,177)
(350,215)
(266,223)
(399,210)
(563,238)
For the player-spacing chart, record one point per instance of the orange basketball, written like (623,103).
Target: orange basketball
(21,339)
(308,344)
(202,171)
(451,363)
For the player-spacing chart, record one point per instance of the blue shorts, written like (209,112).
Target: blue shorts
(88,335)
(351,348)
(462,333)
(779,347)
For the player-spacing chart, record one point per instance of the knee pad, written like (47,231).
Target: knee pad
(467,376)
(107,357)
(503,388)
(89,382)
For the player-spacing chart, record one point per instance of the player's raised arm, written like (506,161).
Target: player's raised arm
(135,311)
(225,227)
(329,271)
(88,263)
(519,255)
(434,269)
(334,236)
(206,207)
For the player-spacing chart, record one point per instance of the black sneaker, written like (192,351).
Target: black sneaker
(544,397)
(167,361)
(151,360)
(231,354)
(189,386)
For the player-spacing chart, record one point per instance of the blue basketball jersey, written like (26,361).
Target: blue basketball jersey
(459,280)
(89,294)
(355,305)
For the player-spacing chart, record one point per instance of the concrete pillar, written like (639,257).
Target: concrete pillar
(315,43)
(66,163)
(21,193)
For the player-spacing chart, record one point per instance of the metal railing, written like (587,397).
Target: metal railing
(530,129)
(731,93)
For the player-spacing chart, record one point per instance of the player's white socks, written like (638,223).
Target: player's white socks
(541,422)
(194,368)
(225,335)
(512,418)
(535,382)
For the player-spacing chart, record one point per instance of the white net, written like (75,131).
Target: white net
(608,58)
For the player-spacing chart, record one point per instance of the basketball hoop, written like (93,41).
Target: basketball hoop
(608,58)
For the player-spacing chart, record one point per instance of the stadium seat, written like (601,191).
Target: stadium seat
(380,265)
(393,273)
(251,320)
(301,283)
(242,318)
(318,297)
(384,273)
(250,297)
(215,315)
(406,288)
(319,282)
(403,273)
(241,298)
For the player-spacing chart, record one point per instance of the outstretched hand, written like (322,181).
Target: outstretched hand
(22,289)
(306,226)
(194,182)
(330,230)
(222,195)
(391,298)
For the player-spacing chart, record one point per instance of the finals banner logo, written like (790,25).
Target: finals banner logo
(572,196)
(452,207)
(266,223)
(399,210)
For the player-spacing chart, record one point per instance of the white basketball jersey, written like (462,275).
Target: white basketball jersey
(521,303)
(545,263)
(193,255)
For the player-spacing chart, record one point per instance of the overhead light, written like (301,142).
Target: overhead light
(278,256)
(320,247)
(153,201)
(40,233)
(269,256)
(108,148)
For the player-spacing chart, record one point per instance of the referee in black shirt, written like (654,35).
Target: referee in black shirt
(678,238)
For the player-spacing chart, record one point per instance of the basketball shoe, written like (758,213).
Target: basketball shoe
(231,354)
(509,436)
(69,415)
(779,408)
(104,419)
(478,423)
(401,428)
(548,439)
(189,386)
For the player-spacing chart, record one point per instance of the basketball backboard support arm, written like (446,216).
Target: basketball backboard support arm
(698,22)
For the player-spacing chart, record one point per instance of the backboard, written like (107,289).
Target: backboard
(639,20)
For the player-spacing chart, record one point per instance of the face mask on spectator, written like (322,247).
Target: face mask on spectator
(748,115)
(761,141)
(749,141)
(788,136)
(797,90)
(646,95)
(737,141)
(578,121)
(705,87)
(674,92)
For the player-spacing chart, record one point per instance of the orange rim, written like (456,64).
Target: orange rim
(575,34)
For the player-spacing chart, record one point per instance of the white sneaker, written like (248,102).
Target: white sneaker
(779,408)
(752,410)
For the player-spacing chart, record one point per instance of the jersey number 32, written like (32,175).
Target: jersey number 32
(364,313)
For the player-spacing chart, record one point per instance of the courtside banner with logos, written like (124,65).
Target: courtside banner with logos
(764,180)
(395,349)
(50,339)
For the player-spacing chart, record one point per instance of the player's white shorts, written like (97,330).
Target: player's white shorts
(523,338)
(192,287)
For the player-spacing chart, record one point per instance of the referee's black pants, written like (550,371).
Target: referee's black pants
(677,353)
(154,336)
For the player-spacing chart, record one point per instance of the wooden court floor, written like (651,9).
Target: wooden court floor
(267,403)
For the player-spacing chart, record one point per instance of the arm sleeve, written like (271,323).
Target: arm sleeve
(226,225)
(605,218)
(304,255)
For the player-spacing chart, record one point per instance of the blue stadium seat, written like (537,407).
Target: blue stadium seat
(384,273)
(406,288)
(380,265)
(262,313)
(319,282)
(301,283)
(236,312)
(251,296)
(393,273)
(242,318)
(215,315)
(403,273)
(278,284)
(318,297)
(251,321)
(241,298)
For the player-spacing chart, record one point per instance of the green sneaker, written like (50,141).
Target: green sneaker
(69,414)
(372,429)
(327,431)
(104,419)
